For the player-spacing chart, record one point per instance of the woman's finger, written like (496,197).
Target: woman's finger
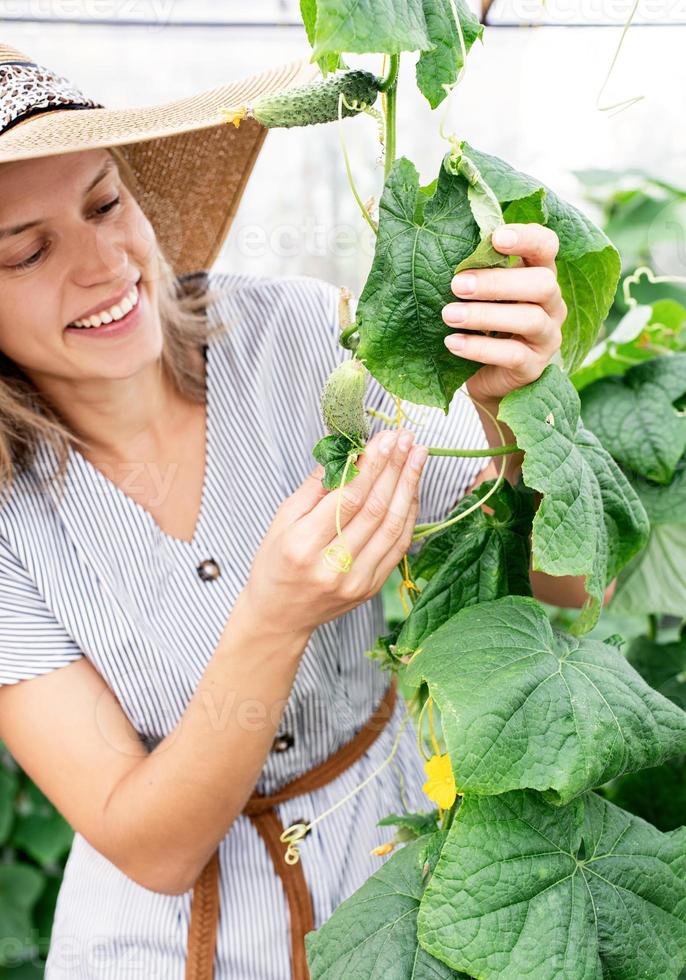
(534,243)
(401,548)
(318,527)
(384,540)
(527,319)
(528,285)
(512,354)
(377,507)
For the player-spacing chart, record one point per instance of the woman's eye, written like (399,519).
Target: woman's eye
(32,259)
(109,206)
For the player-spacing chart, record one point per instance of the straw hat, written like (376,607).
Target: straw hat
(191,166)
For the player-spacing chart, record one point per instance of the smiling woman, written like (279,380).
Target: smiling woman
(152,629)
(42,294)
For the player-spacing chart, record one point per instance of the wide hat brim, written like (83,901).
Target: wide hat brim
(190,165)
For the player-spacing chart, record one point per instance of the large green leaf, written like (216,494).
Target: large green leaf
(635,419)
(8,792)
(588,265)
(373,934)
(523,889)
(663,504)
(662,665)
(657,795)
(524,706)
(640,332)
(308,11)
(590,521)
(655,580)
(20,886)
(484,556)
(361,26)
(423,234)
(440,66)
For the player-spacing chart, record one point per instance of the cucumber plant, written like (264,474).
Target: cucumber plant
(529,865)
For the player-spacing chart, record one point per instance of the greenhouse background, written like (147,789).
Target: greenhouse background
(530,95)
(543,92)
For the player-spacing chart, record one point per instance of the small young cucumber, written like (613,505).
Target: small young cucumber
(317,102)
(342,401)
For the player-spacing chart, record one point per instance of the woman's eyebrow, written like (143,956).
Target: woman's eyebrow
(17,229)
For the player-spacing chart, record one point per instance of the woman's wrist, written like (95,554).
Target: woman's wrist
(260,630)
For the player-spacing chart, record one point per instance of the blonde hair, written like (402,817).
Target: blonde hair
(26,416)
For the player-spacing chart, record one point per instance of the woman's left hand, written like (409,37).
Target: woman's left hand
(529,314)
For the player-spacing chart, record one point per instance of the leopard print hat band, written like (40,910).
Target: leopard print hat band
(28,89)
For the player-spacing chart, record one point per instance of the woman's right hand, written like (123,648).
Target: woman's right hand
(290,587)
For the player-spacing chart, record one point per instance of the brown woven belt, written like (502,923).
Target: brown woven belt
(202,933)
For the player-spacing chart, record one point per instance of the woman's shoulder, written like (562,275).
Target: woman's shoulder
(268,298)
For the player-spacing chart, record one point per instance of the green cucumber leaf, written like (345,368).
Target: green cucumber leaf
(524,889)
(642,331)
(384,651)
(588,264)
(373,934)
(482,557)
(663,666)
(20,887)
(486,210)
(634,417)
(590,521)
(441,65)
(663,504)
(655,580)
(423,234)
(333,452)
(524,706)
(364,26)
(308,12)
(417,823)
(9,784)
(657,795)
(512,506)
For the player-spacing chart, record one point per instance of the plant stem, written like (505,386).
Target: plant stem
(450,815)
(652,627)
(491,451)
(391,75)
(391,95)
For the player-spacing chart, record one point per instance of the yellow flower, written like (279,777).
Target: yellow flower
(234,115)
(383,849)
(440,786)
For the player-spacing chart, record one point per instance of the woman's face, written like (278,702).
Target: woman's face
(90,244)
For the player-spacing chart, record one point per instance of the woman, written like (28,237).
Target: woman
(172,648)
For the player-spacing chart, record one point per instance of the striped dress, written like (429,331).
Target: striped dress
(90,573)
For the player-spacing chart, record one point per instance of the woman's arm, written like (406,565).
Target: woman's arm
(157,816)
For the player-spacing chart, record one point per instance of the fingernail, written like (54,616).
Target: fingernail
(505,237)
(465,282)
(455,341)
(387,443)
(454,313)
(418,457)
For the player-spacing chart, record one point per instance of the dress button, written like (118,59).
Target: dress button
(208,569)
(282,743)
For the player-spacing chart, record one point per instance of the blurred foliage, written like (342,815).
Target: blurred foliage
(34,843)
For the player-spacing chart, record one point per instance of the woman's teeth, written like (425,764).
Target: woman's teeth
(109,316)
